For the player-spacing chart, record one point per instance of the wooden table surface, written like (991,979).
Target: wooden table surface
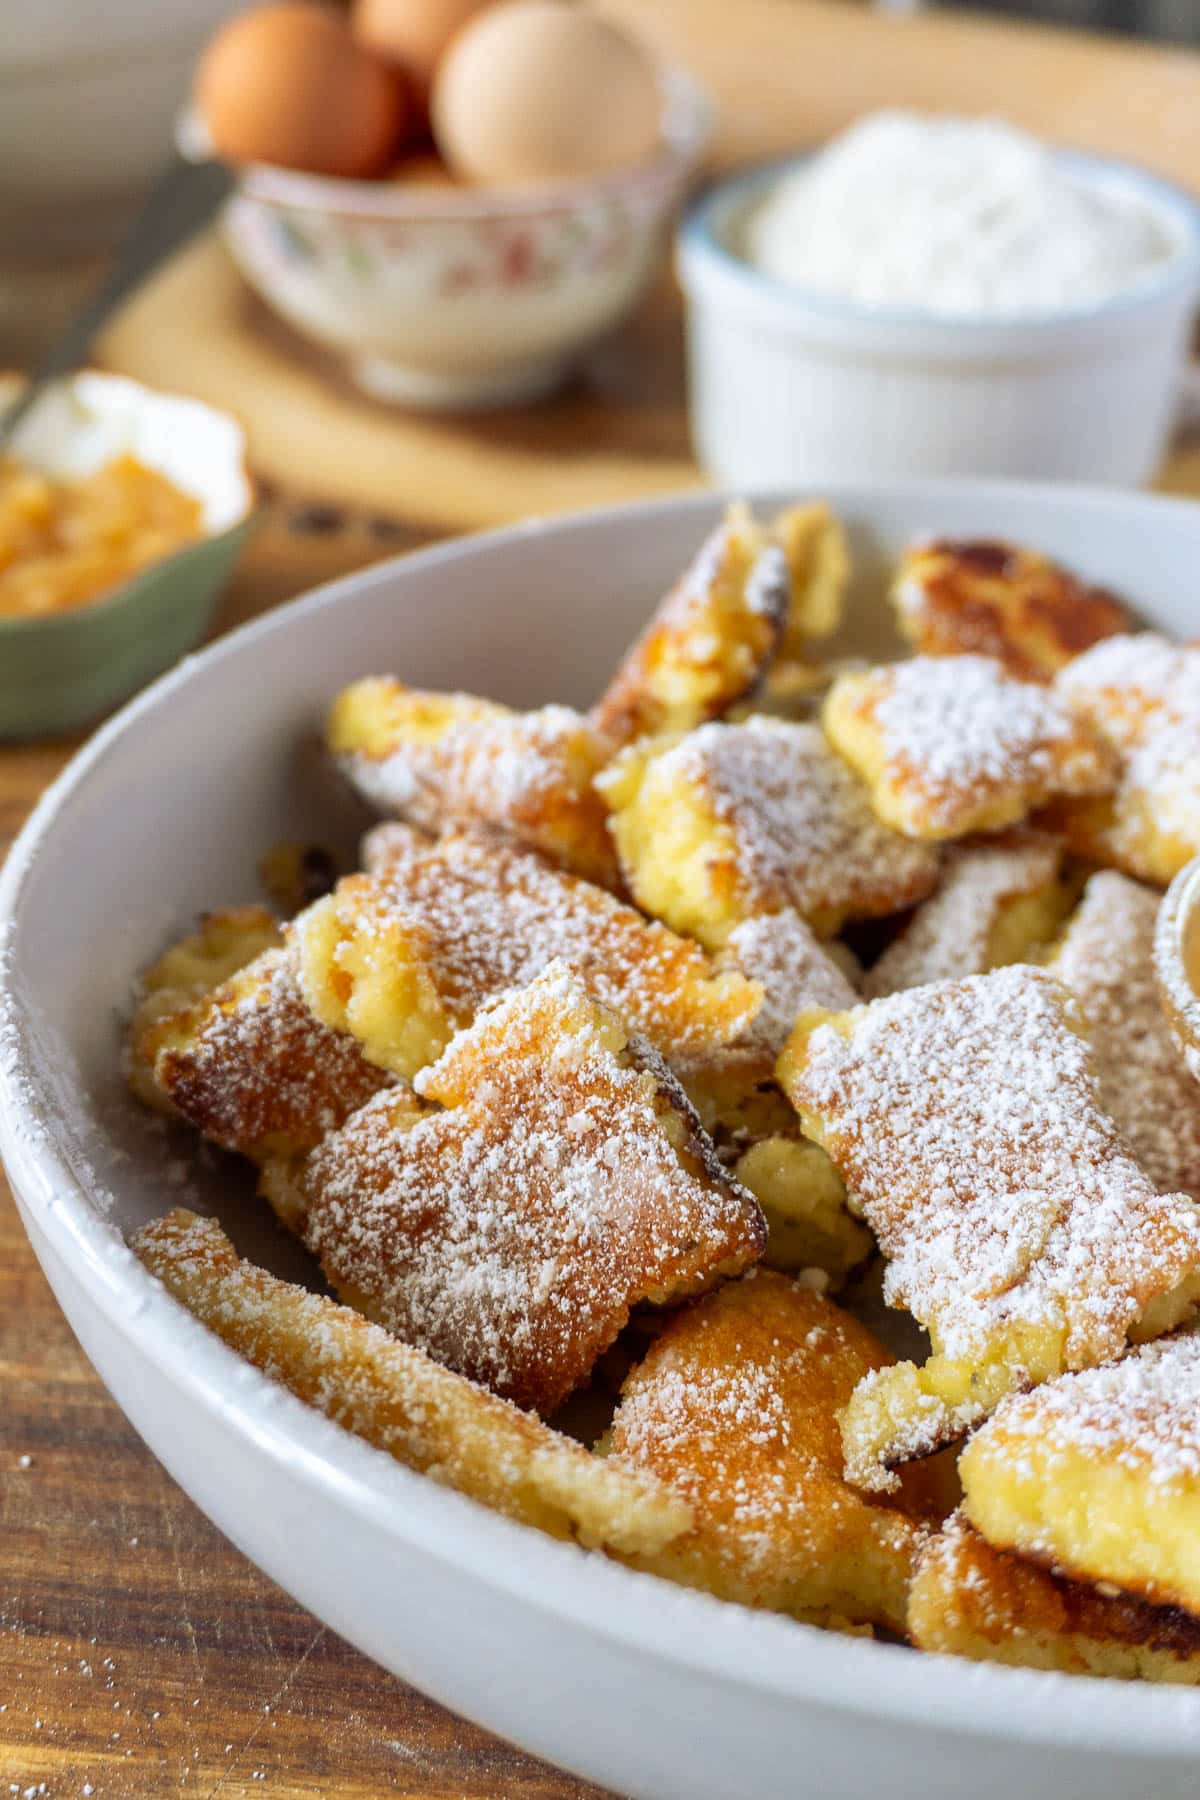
(140,1654)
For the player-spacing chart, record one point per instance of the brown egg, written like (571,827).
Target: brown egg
(413,33)
(539,90)
(287,84)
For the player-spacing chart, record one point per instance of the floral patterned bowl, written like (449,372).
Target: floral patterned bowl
(448,297)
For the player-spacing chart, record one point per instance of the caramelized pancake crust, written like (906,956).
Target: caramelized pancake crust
(405,1404)
(562,1179)
(1143,694)
(999,901)
(1107,961)
(440,760)
(735,1409)
(1098,1473)
(735,821)
(966,1121)
(225,942)
(980,598)
(403,958)
(253,1070)
(968,1599)
(951,744)
(710,641)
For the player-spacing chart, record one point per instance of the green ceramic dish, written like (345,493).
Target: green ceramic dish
(61,672)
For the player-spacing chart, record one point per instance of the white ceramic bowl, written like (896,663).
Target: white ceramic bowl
(791,387)
(657,1692)
(89,90)
(456,297)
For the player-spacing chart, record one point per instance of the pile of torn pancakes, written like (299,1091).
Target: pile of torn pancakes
(659,1055)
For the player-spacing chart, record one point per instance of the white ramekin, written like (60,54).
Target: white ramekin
(791,387)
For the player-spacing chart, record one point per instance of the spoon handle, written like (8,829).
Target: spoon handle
(184,199)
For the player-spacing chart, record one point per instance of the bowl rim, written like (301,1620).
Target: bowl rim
(1178,921)
(585,1593)
(687,128)
(132,587)
(705,254)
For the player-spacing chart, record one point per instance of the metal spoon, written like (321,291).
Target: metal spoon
(184,199)
(1177,961)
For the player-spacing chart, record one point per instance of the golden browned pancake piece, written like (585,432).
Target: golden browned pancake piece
(405,1404)
(735,1408)
(965,1119)
(1142,693)
(441,760)
(1001,901)
(977,597)
(1098,1473)
(968,1599)
(1107,960)
(734,821)
(187,972)
(710,641)
(404,958)
(254,1071)
(950,745)
(554,1178)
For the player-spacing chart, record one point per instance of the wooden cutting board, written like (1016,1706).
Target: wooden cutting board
(784,73)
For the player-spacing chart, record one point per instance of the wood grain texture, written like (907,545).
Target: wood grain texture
(140,1655)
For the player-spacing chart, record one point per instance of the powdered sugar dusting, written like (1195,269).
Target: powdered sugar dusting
(780,952)
(1141,1414)
(949,935)
(965,1118)
(489,917)
(1143,694)
(526,774)
(805,835)
(257,1067)
(1107,960)
(735,1408)
(510,1233)
(957,734)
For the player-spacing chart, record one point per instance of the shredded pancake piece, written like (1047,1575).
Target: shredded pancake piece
(951,744)
(998,901)
(236,1052)
(1098,1473)
(403,1403)
(560,1178)
(710,641)
(734,821)
(187,972)
(978,597)
(735,1409)
(440,760)
(1107,961)
(1142,692)
(252,1069)
(966,1122)
(404,958)
(969,1599)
